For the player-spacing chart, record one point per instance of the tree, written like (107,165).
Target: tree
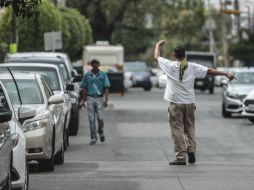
(75,29)
(25,8)
(243,50)
(76,32)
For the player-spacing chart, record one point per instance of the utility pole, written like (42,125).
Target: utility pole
(236,7)
(13,45)
(224,35)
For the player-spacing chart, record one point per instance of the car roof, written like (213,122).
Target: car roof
(19,75)
(242,69)
(29,65)
(37,54)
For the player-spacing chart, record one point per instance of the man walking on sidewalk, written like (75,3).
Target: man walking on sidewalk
(95,86)
(180,93)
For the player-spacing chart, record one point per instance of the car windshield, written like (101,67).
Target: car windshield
(244,78)
(30,92)
(3,102)
(62,67)
(135,67)
(51,73)
(206,63)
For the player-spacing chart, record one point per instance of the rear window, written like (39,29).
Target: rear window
(51,73)
(139,66)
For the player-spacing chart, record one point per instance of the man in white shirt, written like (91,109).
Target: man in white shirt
(180,93)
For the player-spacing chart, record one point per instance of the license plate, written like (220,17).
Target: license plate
(199,83)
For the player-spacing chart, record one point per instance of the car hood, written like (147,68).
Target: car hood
(250,95)
(241,89)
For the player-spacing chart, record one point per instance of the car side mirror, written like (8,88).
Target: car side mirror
(26,113)
(5,116)
(69,87)
(77,78)
(73,73)
(55,99)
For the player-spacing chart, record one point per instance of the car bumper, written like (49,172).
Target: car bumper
(19,163)
(233,105)
(39,143)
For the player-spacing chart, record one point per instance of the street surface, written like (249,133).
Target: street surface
(138,149)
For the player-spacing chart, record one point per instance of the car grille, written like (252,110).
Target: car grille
(248,102)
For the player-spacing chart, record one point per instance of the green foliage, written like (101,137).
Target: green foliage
(243,50)
(24,8)
(121,21)
(75,29)
(77,32)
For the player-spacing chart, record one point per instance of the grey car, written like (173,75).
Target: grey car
(56,84)
(235,91)
(5,143)
(67,73)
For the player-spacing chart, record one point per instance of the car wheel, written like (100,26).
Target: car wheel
(225,113)
(26,185)
(7,185)
(251,119)
(211,90)
(59,157)
(74,123)
(147,87)
(48,164)
(65,137)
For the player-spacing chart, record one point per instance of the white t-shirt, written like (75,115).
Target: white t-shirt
(181,92)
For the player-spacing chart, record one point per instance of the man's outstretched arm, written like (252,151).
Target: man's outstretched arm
(157,49)
(215,72)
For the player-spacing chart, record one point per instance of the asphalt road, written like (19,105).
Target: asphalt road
(138,149)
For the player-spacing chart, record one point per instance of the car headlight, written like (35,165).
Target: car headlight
(14,139)
(232,95)
(35,125)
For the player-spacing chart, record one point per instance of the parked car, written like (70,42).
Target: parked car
(236,90)
(56,84)
(5,142)
(67,72)
(248,106)
(218,81)
(45,132)
(19,166)
(140,74)
(162,79)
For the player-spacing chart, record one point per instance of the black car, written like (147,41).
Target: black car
(140,74)
(206,59)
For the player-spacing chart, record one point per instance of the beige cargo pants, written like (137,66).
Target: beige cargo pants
(182,124)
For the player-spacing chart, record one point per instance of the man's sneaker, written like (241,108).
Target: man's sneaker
(93,141)
(102,137)
(191,157)
(178,162)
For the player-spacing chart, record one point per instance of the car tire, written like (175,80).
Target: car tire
(59,157)
(65,137)
(251,119)
(147,87)
(74,123)
(225,113)
(26,185)
(48,165)
(211,90)
(7,185)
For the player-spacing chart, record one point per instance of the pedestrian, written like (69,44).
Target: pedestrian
(180,94)
(95,85)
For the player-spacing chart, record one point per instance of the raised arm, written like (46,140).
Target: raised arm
(157,49)
(215,72)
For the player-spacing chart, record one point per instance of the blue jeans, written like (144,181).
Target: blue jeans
(95,109)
